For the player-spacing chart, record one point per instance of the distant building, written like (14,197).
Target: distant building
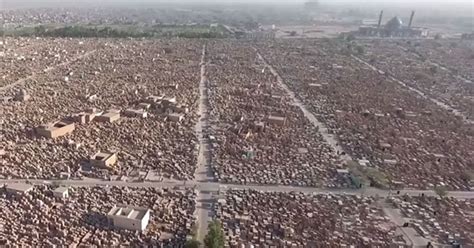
(103,159)
(393,28)
(55,129)
(366,22)
(467,36)
(131,218)
(312,4)
(259,35)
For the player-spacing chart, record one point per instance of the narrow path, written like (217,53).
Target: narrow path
(21,81)
(328,137)
(420,93)
(409,234)
(440,66)
(214,186)
(465,80)
(203,173)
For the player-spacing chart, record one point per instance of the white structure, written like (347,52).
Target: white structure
(138,113)
(132,218)
(61,192)
(342,172)
(18,188)
(175,117)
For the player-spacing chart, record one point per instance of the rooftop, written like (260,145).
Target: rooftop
(135,213)
(61,190)
(20,187)
(102,156)
(55,125)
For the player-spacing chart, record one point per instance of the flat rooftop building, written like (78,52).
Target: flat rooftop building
(135,113)
(61,192)
(84,117)
(278,120)
(131,218)
(109,116)
(18,188)
(175,117)
(103,159)
(56,129)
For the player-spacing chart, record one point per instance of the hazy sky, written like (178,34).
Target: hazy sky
(467,5)
(247,1)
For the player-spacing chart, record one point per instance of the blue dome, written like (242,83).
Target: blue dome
(394,24)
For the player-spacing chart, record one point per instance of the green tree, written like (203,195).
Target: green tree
(215,236)
(40,30)
(350,37)
(192,243)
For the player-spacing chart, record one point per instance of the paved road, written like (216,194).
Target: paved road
(215,186)
(442,67)
(409,233)
(323,130)
(203,173)
(420,93)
